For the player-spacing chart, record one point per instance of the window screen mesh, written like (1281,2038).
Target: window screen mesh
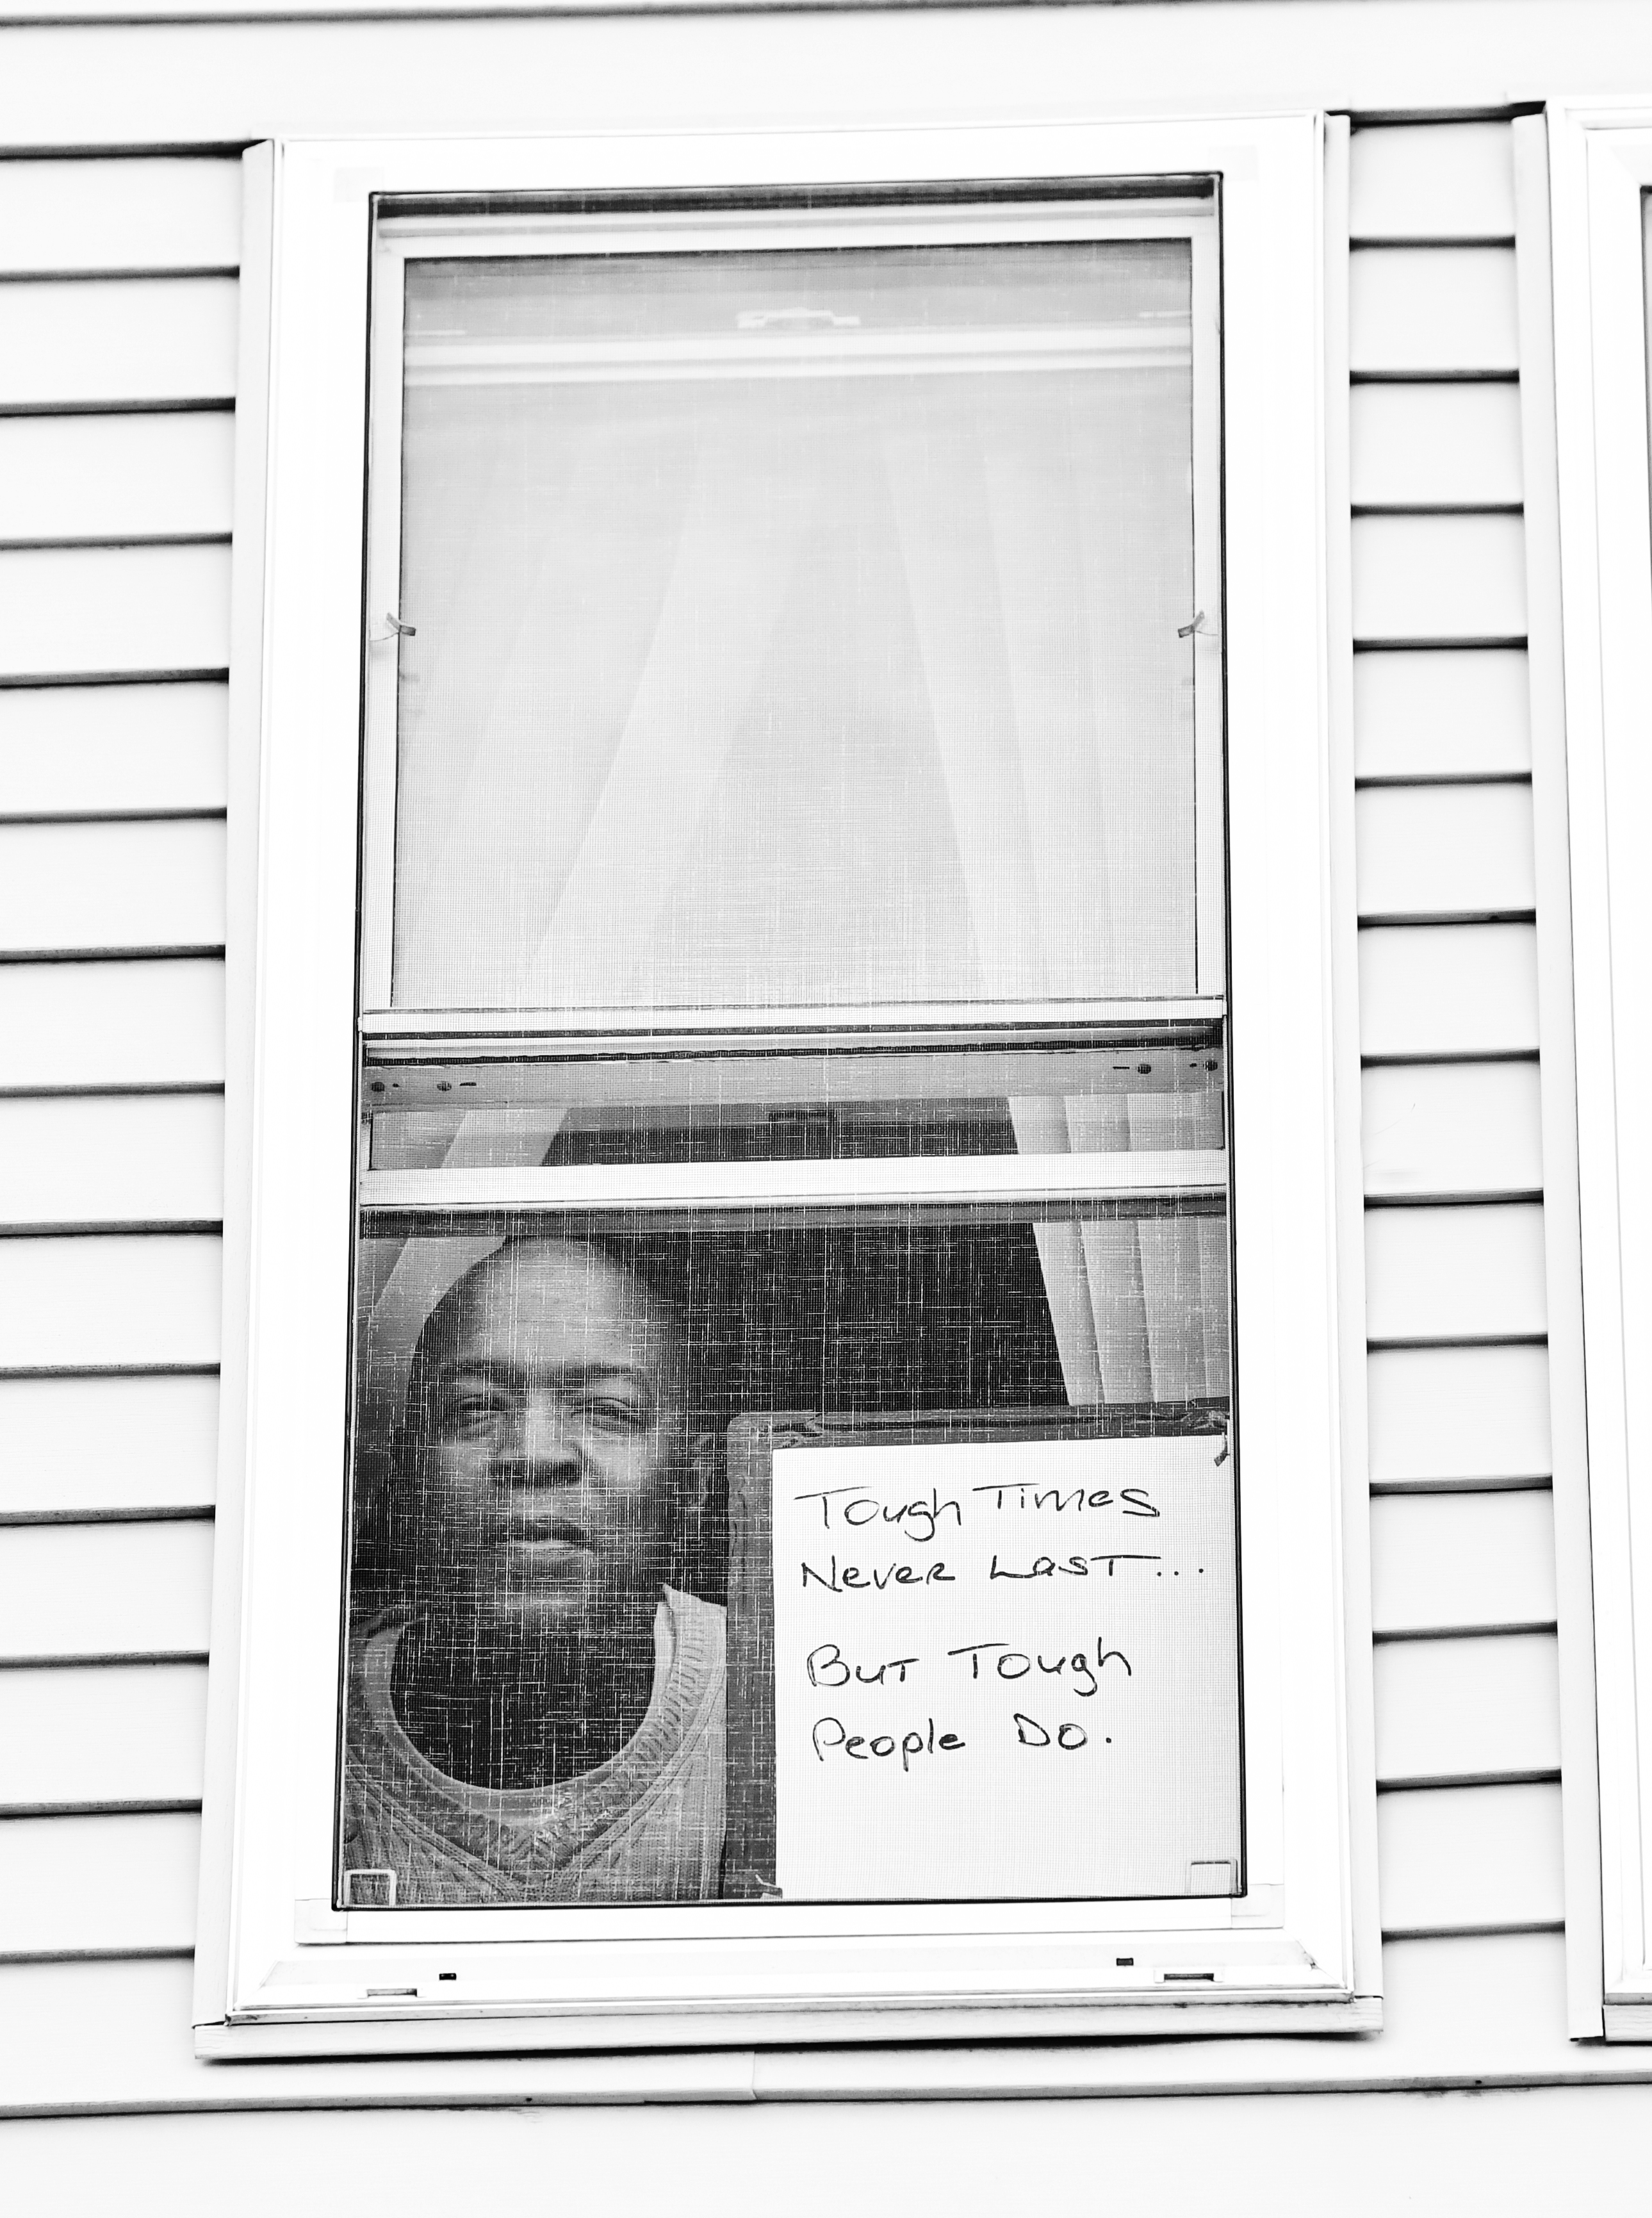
(785,632)
(797,628)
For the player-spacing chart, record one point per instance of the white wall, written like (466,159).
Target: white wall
(117,329)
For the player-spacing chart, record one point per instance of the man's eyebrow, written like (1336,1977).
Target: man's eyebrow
(506,1372)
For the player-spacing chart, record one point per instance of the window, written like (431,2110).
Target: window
(793,1451)
(1602,180)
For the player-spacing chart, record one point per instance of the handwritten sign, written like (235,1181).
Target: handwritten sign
(1005,1669)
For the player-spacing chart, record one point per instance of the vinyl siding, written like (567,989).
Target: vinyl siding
(116,448)
(116,390)
(1564,2147)
(119,343)
(1463,1605)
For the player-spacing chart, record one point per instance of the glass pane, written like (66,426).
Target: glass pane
(645,1520)
(1132,1096)
(797,628)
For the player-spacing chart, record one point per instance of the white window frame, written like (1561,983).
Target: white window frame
(279,1971)
(1600,168)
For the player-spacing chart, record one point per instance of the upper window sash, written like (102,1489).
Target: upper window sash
(1053,213)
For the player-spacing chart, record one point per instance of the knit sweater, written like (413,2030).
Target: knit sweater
(645,1826)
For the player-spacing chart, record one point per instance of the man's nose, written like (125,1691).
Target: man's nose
(538,1447)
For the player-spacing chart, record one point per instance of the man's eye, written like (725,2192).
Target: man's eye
(468,1413)
(614,1415)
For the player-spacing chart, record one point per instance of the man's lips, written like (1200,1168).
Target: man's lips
(556,1550)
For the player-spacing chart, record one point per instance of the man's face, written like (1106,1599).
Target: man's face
(551,1435)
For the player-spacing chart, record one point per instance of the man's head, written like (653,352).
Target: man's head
(546,1447)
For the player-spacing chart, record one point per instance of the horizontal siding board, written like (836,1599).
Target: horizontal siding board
(1442,712)
(65,887)
(1432,181)
(102,750)
(1446,445)
(161,214)
(1467,1273)
(106,343)
(1458,1859)
(1445,850)
(1438,577)
(1458,1416)
(79,1885)
(1448,989)
(120,1159)
(1451,1129)
(115,477)
(72,611)
(108,1302)
(1484,1707)
(1461,1562)
(71,1447)
(111,1023)
(105,1590)
(101,1734)
(1432,311)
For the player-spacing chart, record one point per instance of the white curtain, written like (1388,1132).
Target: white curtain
(781,691)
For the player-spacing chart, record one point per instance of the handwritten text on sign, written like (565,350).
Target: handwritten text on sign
(1006,1669)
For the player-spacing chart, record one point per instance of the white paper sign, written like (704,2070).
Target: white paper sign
(1006,1669)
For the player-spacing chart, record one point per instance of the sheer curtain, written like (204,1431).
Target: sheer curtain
(826,680)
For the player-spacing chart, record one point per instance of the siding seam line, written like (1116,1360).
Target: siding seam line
(1377,1347)
(144,1658)
(197,951)
(1508,1925)
(1514,1629)
(200,404)
(140,1806)
(1461,1198)
(117,1089)
(1603,2067)
(1445,1060)
(1379,919)
(1438,643)
(1434,242)
(183,1513)
(103,542)
(222,151)
(1528,1482)
(1402,781)
(157,273)
(1412,119)
(215,814)
(41,680)
(1431,1783)
(1433,377)
(100,1228)
(132,1953)
(26,1371)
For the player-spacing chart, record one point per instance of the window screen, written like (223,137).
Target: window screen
(791,1457)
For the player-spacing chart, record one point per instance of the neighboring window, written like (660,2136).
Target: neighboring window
(1603,236)
(797,1478)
